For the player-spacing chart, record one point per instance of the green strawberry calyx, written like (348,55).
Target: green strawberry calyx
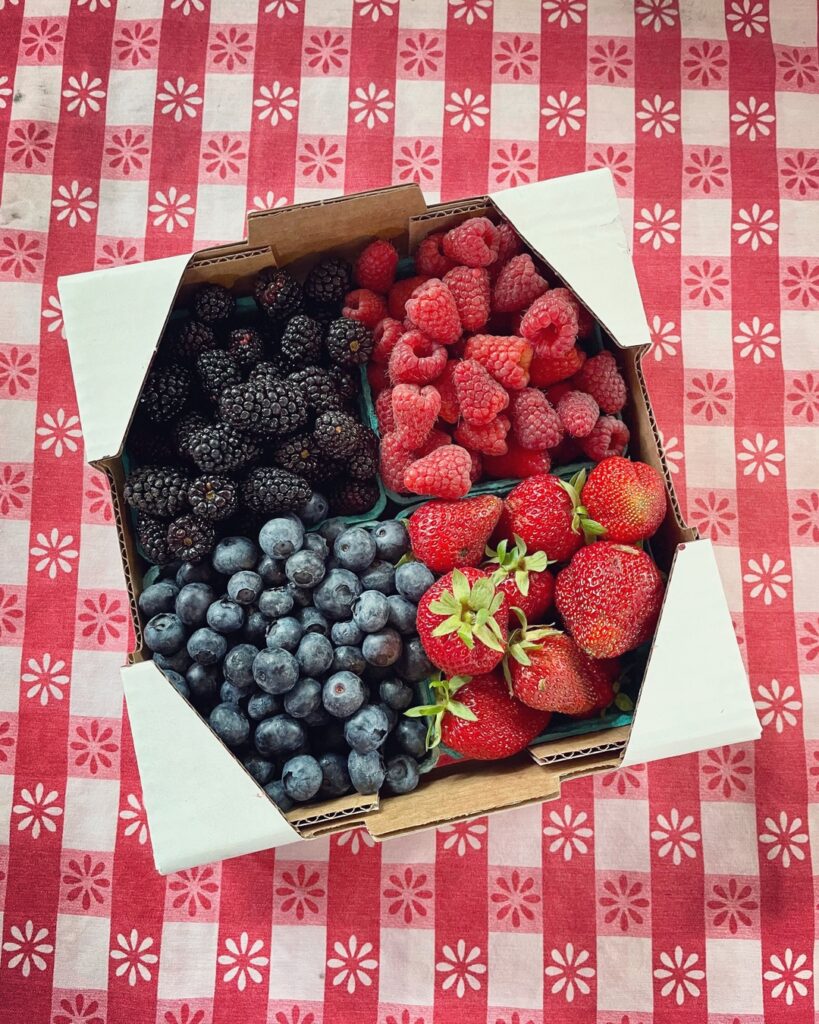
(522,641)
(469,612)
(444,690)
(515,562)
(580,514)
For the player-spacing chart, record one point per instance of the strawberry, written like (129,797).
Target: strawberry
(516,463)
(525,579)
(485,722)
(627,498)
(609,597)
(461,622)
(447,535)
(546,513)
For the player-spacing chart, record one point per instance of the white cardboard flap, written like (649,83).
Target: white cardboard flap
(201,804)
(695,693)
(574,223)
(113,320)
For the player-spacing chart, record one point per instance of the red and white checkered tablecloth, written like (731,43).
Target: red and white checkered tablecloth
(684,892)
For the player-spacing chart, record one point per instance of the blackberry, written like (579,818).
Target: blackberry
(185,429)
(352,497)
(216,371)
(271,490)
(301,342)
(212,303)
(302,454)
(191,538)
(246,346)
(213,497)
(349,342)
(164,393)
(318,388)
(157,490)
(328,282)
(152,535)
(220,448)
(147,447)
(270,368)
(362,464)
(264,407)
(337,434)
(192,338)
(346,383)
(278,293)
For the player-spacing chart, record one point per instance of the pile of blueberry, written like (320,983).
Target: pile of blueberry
(300,650)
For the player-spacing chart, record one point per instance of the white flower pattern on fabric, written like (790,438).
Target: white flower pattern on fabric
(171,209)
(467,109)
(357,838)
(659,116)
(463,836)
(657,227)
(752,118)
(760,457)
(44,679)
(243,960)
(676,836)
(784,839)
(134,814)
(471,11)
(570,971)
(60,433)
(282,7)
(53,315)
(779,705)
(188,6)
(374,9)
(276,102)
(564,12)
(28,948)
(766,578)
(83,94)
(665,341)
(461,967)
(788,973)
(37,810)
(133,957)
(756,226)
(568,833)
(563,113)
(679,974)
(748,17)
(74,203)
(179,98)
(657,14)
(371,105)
(54,553)
(269,201)
(673,454)
(353,964)
(756,340)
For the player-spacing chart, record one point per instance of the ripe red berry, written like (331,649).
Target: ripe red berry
(550,324)
(489,439)
(415,410)
(429,256)
(416,359)
(609,437)
(383,410)
(517,463)
(385,338)
(600,378)
(394,459)
(518,285)
(470,289)
(400,292)
(480,397)
(473,243)
(507,358)
(535,422)
(432,310)
(364,305)
(578,413)
(548,369)
(444,473)
(375,267)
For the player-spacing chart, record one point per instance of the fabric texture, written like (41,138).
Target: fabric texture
(683,891)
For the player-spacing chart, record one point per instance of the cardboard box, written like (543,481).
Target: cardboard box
(201,804)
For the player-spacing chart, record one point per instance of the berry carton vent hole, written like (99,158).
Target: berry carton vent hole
(392,506)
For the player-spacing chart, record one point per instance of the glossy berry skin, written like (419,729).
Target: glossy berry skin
(540,511)
(367,771)
(446,535)
(391,540)
(285,633)
(355,548)
(192,603)
(563,679)
(225,616)
(626,497)
(275,671)
(396,694)
(305,568)
(343,694)
(414,665)
(346,634)
(304,698)
(301,777)
(371,611)
(402,775)
(157,598)
(275,790)
(230,724)
(263,705)
(348,658)
(206,646)
(382,648)
(179,662)
(517,463)
(367,729)
(379,575)
(281,537)
(335,776)
(336,593)
(401,614)
(165,634)
(410,735)
(238,667)
(412,580)
(278,736)
(314,654)
(233,554)
(244,587)
(536,603)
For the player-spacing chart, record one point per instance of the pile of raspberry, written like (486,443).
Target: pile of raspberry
(476,371)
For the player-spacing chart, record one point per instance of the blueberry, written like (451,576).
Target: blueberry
(195,572)
(346,633)
(312,621)
(225,616)
(255,627)
(178,662)
(230,724)
(331,528)
(367,729)
(402,614)
(275,602)
(379,576)
(229,693)
(203,681)
(371,611)
(275,790)
(355,548)
(396,694)
(263,705)
(302,596)
(271,570)
(335,594)
(232,554)
(305,568)
(391,540)
(314,654)
(165,633)
(392,716)
(279,735)
(245,586)
(157,598)
(317,544)
(285,633)
(366,771)
(411,736)
(304,698)
(413,580)
(238,666)
(317,718)
(302,777)
(259,768)
(192,603)
(178,682)
(402,774)
(275,670)
(206,646)
(335,777)
(348,659)
(343,693)
(314,509)
(414,665)
(281,537)
(382,648)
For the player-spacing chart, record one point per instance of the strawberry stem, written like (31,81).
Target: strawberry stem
(516,562)
(469,612)
(445,689)
(580,514)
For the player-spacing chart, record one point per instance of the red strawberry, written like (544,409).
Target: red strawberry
(627,498)
(517,463)
(525,579)
(448,535)
(477,717)
(461,622)
(609,597)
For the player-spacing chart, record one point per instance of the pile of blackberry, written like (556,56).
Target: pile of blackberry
(248,413)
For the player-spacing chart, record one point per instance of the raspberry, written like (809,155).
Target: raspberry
(394,459)
(415,410)
(436,439)
(385,335)
(383,410)
(429,259)
(364,305)
(377,376)
(476,470)
(480,396)
(444,473)
(518,285)
(609,437)
(470,289)
(416,359)
(432,309)
(490,439)
(546,370)
(556,391)
(578,413)
(535,422)
(507,358)
(585,321)
(550,323)
(450,410)
(400,292)
(473,243)
(375,267)
(516,463)
(600,378)
(509,242)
